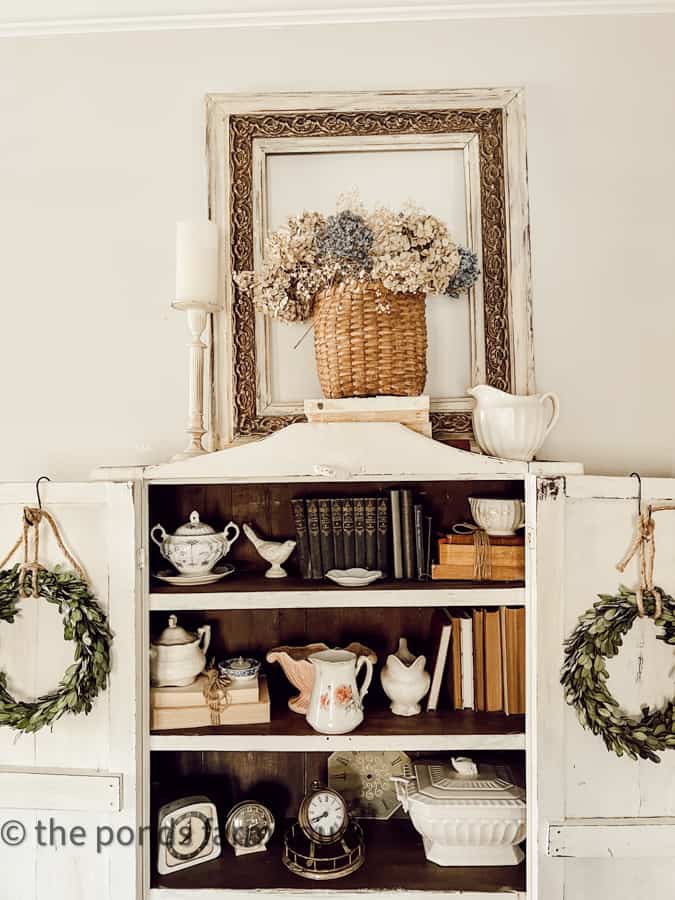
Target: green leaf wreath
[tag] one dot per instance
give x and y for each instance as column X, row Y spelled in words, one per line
column 598, row 636
column 85, row 623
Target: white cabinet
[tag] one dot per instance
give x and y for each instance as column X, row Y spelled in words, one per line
column 605, row 823
column 83, row 772
column 598, row 825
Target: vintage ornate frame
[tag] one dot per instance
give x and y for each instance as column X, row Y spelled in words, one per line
column 491, row 121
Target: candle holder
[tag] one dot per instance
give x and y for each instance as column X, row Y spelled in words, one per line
column 198, row 313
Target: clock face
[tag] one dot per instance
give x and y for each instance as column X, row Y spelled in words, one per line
column 364, row 780
column 325, row 815
column 249, row 825
column 190, row 834
column 187, row 834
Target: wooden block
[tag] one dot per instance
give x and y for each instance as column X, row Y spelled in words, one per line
column 200, row 716
column 193, row 695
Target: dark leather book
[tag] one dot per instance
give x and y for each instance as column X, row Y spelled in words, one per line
column 370, row 504
column 302, row 538
column 326, row 532
column 338, row 533
column 359, row 532
column 408, row 534
column 314, row 533
column 348, row 532
column 396, row 535
column 419, row 542
column 383, row 532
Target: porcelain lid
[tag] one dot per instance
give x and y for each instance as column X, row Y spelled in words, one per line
column 174, row 635
column 194, row 527
column 443, row 782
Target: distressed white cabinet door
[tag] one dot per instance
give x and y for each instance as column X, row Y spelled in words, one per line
column 605, row 825
column 81, row 774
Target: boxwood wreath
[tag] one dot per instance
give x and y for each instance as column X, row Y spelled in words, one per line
column 84, row 623
column 597, row 637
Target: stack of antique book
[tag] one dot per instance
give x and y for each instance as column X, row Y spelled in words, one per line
column 478, row 659
column 192, row 706
column 388, row 532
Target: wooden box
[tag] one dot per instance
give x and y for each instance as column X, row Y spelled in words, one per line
column 199, row 716
column 457, row 559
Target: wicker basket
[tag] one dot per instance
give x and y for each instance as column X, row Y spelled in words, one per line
column 370, row 341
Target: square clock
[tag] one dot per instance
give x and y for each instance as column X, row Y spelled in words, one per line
column 187, row 834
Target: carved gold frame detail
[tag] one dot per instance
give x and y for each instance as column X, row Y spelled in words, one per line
column 235, row 124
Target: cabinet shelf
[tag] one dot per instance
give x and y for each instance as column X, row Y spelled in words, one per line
column 288, row 731
column 395, row 862
column 257, row 592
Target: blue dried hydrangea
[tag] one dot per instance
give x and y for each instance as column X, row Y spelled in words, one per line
column 347, row 238
column 466, row 275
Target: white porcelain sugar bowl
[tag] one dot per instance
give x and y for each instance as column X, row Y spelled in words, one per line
column 178, row 656
column 195, row 547
column 466, row 815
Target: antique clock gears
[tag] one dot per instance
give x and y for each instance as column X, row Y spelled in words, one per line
column 324, row 843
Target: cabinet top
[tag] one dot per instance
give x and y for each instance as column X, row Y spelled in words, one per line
column 339, row 452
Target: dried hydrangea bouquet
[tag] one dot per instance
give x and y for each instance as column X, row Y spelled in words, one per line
column 362, row 277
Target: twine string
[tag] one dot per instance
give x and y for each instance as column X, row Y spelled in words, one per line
column 644, row 546
column 216, row 693
column 30, row 532
column 482, row 560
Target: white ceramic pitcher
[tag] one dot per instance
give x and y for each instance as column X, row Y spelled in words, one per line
column 512, row 426
column 336, row 704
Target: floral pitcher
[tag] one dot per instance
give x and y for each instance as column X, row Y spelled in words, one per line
column 336, row 704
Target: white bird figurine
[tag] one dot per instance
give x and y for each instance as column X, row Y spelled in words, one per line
column 274, row 552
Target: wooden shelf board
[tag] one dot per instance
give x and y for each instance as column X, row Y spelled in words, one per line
column 395, row 862
column 288, row 731
column 254, row 591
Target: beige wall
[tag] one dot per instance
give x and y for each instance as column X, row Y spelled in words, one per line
column 101, row 149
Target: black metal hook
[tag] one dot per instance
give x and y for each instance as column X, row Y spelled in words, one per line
column 637, row 475
column 37, row 488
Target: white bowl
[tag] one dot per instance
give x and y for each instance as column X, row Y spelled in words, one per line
column 498, row 518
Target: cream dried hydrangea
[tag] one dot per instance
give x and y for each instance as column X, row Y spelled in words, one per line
column 408, row 251
column 291, row 272
column 412, row 251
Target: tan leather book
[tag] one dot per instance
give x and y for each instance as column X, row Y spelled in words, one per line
column 514, row 618
column 492, row 649
column 455, row 667
column 479, row 659
column 193, row 694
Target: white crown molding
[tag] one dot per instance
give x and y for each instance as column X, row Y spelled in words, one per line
column 347, row 13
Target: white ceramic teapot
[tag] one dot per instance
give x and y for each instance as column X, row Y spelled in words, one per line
column 195, row 547
column 405, row 680
column 178, row 656
column 336, row 704
column 511, row 426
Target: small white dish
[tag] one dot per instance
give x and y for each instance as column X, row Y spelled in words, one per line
column 193, row 580
column 353, row 577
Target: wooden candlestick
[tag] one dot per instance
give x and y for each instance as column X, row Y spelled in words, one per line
column 197, row 320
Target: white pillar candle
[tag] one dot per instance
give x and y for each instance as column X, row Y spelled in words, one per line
column 197, row 261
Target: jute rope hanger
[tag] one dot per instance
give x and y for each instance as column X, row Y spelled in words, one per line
column 644, row 545
column 31, row 521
